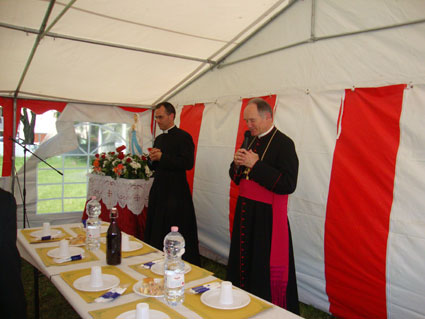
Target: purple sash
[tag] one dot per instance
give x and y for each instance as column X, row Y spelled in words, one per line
column 279, row 255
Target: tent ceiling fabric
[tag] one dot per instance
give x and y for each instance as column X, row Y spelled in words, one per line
column 106, row 51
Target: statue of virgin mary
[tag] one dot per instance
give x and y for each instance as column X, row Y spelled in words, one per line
column 135, row 136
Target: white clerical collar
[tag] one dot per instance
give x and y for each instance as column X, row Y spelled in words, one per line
column 265, row 133
column 166, row 131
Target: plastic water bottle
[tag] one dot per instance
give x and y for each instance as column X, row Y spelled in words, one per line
column 93, row 224
column 174, row 267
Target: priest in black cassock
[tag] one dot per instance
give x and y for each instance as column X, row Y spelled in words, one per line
column 261, row 258
column 170, row 200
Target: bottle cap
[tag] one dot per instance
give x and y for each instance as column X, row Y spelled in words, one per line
column 174, row 228
column 114, row 212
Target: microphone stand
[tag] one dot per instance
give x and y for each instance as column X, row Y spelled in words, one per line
column 24, row 192
column 24, row 209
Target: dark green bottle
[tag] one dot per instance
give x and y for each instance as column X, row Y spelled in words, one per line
column 113, row 240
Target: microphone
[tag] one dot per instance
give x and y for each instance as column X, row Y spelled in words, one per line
column 245, row 143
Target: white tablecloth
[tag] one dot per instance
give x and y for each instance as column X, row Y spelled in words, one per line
column 29, row 253
column 131, row 192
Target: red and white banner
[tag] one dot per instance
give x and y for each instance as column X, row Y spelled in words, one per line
column 357, row 215
column 359, row 202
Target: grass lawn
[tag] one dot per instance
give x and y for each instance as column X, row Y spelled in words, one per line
column 50, row 190
column 53, row 305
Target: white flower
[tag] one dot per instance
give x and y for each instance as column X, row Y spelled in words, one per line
column 148, row 172
column 135, row 165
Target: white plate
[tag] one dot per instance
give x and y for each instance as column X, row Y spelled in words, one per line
column 158, row 268
column 77, row 245
column 133, row 245
column 136, row 289
column 54, row 253
column 39, row 233
column 211, row 298
column 153, row 314
column 83, row 283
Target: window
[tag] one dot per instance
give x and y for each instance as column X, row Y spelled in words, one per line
column 68, row 193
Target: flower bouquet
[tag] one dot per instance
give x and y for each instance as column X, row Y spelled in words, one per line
column 117, row 164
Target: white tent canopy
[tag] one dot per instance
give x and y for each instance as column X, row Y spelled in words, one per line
column 119, row 52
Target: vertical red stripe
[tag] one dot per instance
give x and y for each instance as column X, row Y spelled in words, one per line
column 190, row 121
column 153, row 123
column 234, row 190
column 359, row 202
column 7, row 105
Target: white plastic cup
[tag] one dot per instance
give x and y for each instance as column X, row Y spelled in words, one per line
column 64, row 248
column 46, row 229
column 142, row 311
column 226, row 293
column 96, row 277
column 125, row 242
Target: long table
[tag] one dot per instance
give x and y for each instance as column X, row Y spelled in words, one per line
column 31, row 253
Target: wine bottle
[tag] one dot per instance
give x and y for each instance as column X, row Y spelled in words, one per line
column 113, row 240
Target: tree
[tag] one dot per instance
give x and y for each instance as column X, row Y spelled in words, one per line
column 28, row 126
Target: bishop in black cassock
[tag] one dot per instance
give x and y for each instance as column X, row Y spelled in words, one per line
column 170, row 199
column 261, row 227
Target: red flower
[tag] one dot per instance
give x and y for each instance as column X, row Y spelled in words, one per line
column 128, row 160
column 103, row 156
column 118, row 169
column 121, row 155
column 144, row 158
column 121, row 148
column 97, row 155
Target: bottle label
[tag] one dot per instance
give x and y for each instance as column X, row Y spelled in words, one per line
column 93, row 232
column 175, row 280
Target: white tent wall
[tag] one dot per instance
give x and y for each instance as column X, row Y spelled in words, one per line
column 64, row 141
column 310, row 120
column 309, row 80
column 211, row 185
column 406, row 242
